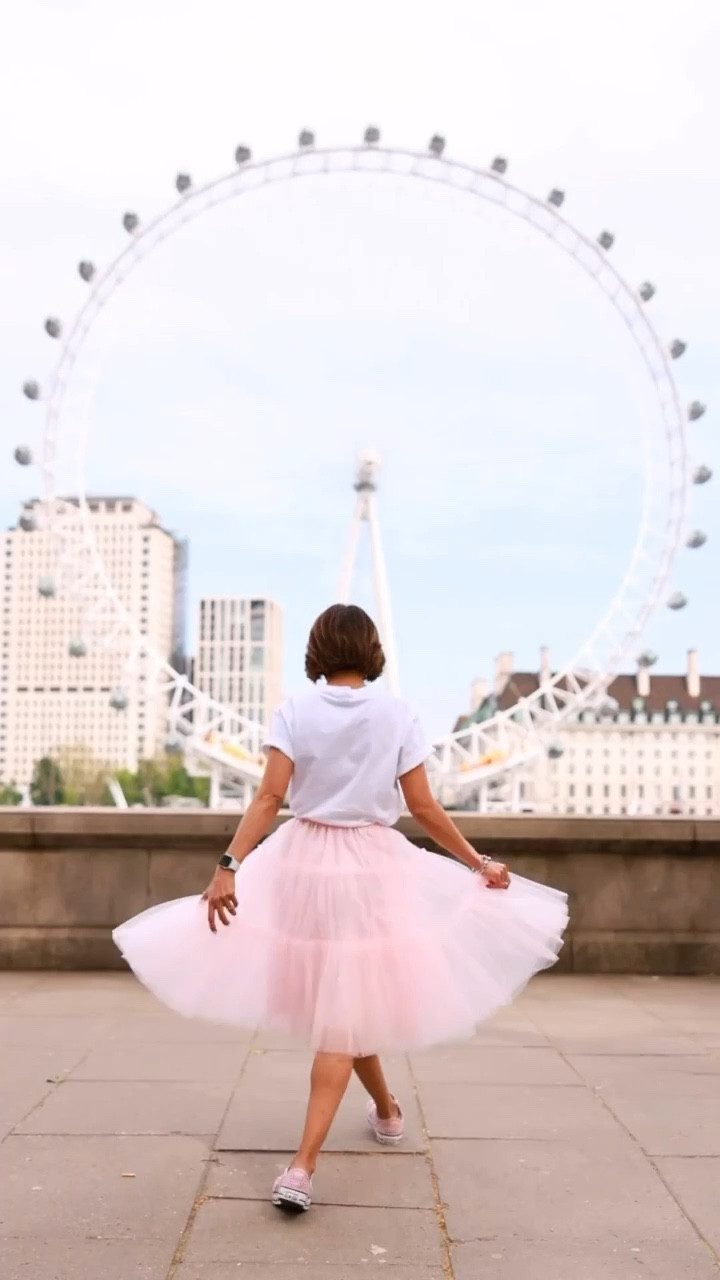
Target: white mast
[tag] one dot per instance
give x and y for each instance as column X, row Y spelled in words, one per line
column 365, row 512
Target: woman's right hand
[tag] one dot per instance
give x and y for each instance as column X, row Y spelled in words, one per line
column 496, row 875
column 220, row 897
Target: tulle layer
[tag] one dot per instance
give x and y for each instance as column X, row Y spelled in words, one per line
column 351, row 939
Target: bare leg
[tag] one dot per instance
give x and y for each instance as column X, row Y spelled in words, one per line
column 328, row 1081
column 370, row 1074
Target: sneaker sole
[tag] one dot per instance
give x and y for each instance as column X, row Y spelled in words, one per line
column 386, row 1139
column 291, row 1201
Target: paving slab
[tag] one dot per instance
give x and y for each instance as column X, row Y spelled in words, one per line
column 48, row 1258
column 627, row 1045
column 343, row 1179
column 211, row 1063
column 240, row 1231
column 19, row 1101
column 696, row 1183
column 261, row 1118
column 90, row 1107
column 36, row 1064
column 609, row 1260
column 161, row 1026
column 199, row 1270
column 478, row 1065
column 545, row 1112
column 80, row 1188
column 667, row 1124
column 506, row 1034
column 691, row 1076
column 77, row 1034
column 540, row 1191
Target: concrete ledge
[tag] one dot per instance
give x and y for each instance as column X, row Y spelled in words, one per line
column 643, row 892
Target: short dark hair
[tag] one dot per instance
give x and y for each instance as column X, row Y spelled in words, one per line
column 344, row 638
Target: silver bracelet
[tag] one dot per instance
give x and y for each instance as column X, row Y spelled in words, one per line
column 485, row 863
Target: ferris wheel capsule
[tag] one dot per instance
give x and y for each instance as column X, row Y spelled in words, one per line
column 677, row 348
column 647, row 291
column 23, row 455
column 647, row 658
column 696, row 539
column 183, row 183
column 46, row 586
column 119, row 699
column 702, row 474
column 77, row 647
column 131, row 222
column 53, row 327
column 242, row 155
column 306, row 139
column 556, row 197
column 86, row 271
column 31, row 390
column 28, row 522
column 371, row 136
column 696, row 410
column 677, row 600
column 499, row 165
column 606, row 239
column 436, row 146
column 555, row 750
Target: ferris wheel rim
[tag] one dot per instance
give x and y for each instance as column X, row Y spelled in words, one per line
column 569, row 681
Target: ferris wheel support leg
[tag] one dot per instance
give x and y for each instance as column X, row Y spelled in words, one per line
column 214, row 799
column 346, row 574
column 382, row 596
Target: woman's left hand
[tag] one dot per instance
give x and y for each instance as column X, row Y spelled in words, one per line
column 220, row 897
column 496, row 876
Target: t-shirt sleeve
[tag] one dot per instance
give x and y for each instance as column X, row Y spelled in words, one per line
column 415, row 748
column 280, row 732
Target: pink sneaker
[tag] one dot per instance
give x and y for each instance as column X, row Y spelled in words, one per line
column 387, row 1132
column 293, row 1191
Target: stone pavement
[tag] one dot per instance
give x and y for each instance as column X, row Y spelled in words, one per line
column 576, row 1138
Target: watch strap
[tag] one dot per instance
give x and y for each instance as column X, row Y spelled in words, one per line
column 228, row 863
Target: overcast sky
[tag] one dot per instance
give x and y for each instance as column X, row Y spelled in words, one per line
column 238, row 373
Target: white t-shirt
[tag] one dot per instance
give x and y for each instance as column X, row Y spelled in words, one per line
column 349, row 747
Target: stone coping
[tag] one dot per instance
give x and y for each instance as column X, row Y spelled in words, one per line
column 65, row 828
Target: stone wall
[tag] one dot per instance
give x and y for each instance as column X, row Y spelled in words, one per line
column 644, row 893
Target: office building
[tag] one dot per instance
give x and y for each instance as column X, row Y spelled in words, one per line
column 238, row 659
column 55, row 688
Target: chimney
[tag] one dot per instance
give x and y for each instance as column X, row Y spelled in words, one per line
column 478, row 694
column 545, row 671
column 693, row 674
column 643, row 682
column 503, row 671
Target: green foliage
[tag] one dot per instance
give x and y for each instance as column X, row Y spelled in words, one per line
column 46, row 786
column 77, row 777
column 9, row 795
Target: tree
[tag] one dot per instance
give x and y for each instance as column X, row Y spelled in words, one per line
column 46, row 786
column 84, row 776
column 9, row 795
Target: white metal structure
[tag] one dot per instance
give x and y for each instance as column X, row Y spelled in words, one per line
column 366, row 513
column 509, row 739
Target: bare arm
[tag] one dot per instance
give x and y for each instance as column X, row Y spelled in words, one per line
column 254, row 824
column 439, row 825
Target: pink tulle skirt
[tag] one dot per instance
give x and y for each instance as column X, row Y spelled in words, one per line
column 351, row 939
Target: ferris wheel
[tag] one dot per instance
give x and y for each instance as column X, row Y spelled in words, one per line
column 230, row 745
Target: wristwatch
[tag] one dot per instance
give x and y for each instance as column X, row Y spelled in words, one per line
column 228, row 863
